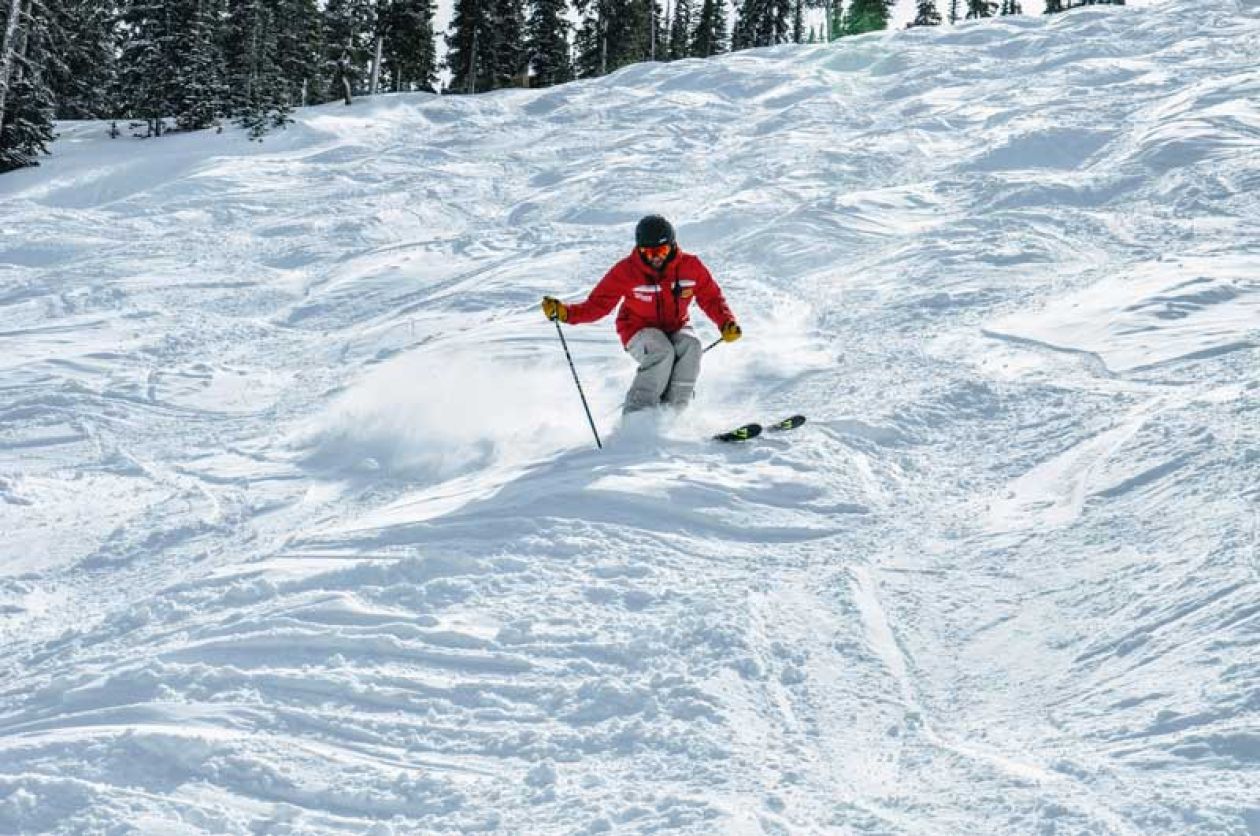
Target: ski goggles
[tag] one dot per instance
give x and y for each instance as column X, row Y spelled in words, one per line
column 656, row 252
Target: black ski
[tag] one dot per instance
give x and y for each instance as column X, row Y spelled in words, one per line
column 787, row 424
column 749, row 431
column 740, row 433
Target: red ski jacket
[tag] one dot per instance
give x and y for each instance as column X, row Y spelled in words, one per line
column 651, row 299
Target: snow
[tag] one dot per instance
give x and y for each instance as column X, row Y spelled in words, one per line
column 304, row 531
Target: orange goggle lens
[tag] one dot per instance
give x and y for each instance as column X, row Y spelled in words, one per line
column 655, row 252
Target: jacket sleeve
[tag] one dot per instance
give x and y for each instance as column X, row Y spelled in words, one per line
column 709, row 297
column 601, row 300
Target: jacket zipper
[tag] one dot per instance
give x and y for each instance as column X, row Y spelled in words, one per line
column 660, row 312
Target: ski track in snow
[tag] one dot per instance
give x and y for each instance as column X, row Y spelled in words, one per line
column 303, row 530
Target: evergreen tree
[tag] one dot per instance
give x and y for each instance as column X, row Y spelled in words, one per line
column 198, row 87
column 762, row 23
column 798, row 22
column 1053, row 7
column 409, row 53
column 865, row 16
column 658, row 29
column 1011, row 7
column 926, row 14
column 26, row 106
column 486, row 46
column 508, row 56
column 710, row 37
column 300, row 51
column 781, row 21
column 468, row 44
column 171, row 64
column 645, row 31
column 953, row 12
column 615, row 34
column 148, row 52
column 348, row 28
column 82, row 68
column 591, row 42
column 27, row 129
column 260, row 94
column 680, row 27
column 380, row 25
column 743, row 36
column 12, row 27
column 980, row 8
column 547, row 42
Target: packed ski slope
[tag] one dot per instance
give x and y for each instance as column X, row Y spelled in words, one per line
column 302, row 529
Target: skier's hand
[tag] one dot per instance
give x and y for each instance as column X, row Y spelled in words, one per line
column 731, row 332
column 553, row 309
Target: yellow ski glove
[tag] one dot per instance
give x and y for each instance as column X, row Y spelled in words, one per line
column 553, row 309
column 731, row 332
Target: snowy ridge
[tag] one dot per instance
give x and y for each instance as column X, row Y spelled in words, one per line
column 303, row 530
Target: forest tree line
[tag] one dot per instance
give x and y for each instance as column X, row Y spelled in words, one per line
column 150, row 66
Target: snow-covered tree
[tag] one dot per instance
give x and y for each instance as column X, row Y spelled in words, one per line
column 762, row 23
column 710, row 36
column 300, row 51
column 547, row 41
column 82, row 68
column 614, row 34
column 680, row 27
column 199, row 89
column 149, row 51
column 508, row 54
column 980, row 8
column 468, row 43
column 486, row 44
column 348, row 28
column 261, row 96
column 409, row 54
column 11, row 15
column 926, row 14
column 26, row 106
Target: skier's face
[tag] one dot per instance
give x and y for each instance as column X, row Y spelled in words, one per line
column 656, row 255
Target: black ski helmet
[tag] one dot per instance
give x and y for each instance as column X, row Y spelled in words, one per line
column 653, row 231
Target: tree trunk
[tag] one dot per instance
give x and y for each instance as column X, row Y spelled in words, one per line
column 376, row 65
column 652, row 29
column 603, row 44
column 8, row 47
column 669, row 32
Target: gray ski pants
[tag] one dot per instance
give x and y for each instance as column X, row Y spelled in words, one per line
column 669, row 365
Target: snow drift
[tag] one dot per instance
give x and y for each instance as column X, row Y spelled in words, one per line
column 302, row 530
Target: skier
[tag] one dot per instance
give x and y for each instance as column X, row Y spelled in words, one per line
column 655, row 285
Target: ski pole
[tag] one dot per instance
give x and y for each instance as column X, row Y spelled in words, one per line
column 581, row 394
column 711, row 345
